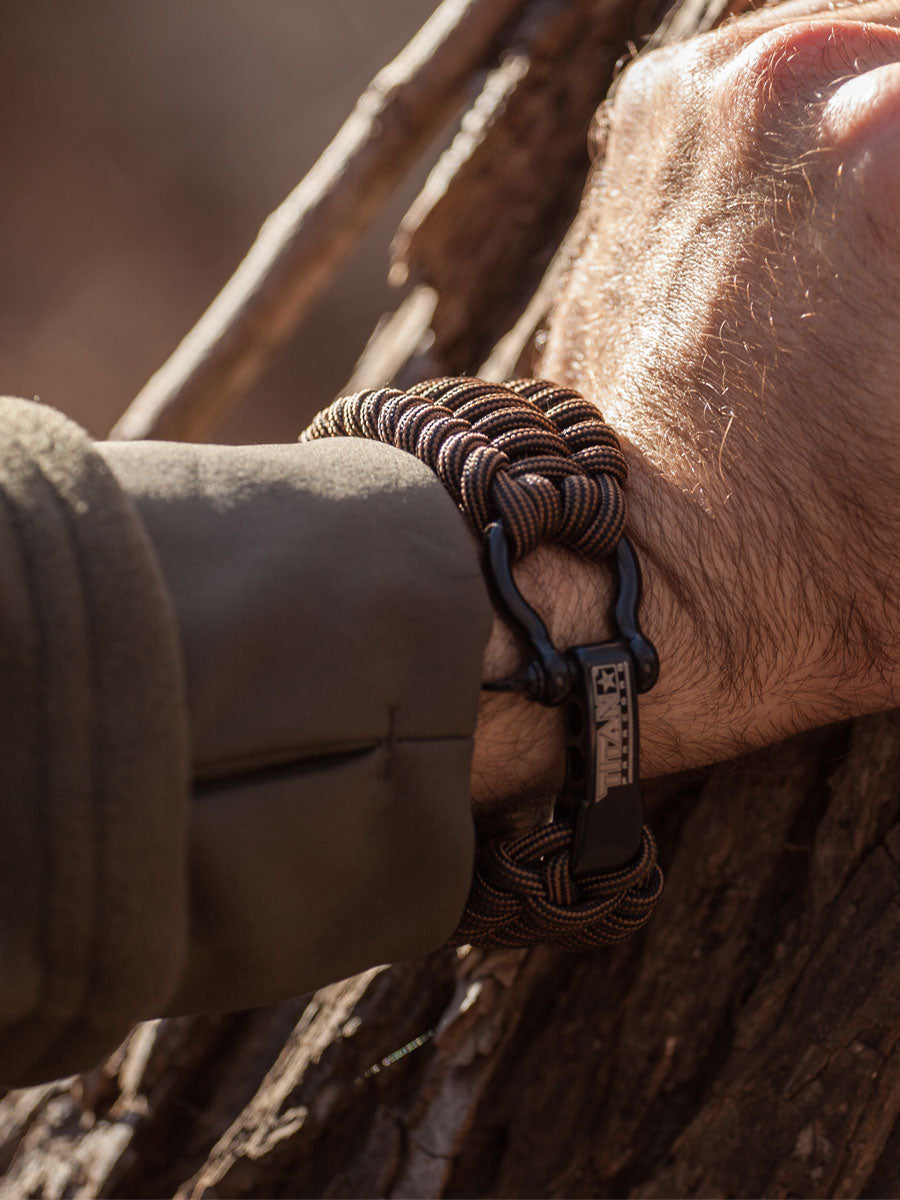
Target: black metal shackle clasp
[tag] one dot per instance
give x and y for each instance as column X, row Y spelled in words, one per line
column 599, row 685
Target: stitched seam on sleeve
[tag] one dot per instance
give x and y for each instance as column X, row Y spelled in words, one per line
column 300, row 756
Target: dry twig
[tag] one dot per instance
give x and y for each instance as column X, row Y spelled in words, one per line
column 306, row 238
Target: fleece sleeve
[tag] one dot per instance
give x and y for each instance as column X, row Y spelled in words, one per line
column 94, row 757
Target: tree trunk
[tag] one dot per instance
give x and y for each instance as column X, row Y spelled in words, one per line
column 746, row 1044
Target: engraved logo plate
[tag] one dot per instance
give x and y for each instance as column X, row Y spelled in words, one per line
column 611, row 693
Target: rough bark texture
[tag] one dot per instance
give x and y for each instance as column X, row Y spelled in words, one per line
column 745, row 1045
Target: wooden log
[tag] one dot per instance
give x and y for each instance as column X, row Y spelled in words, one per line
column 497, row 203
column 747, row 1046
column 508, row 187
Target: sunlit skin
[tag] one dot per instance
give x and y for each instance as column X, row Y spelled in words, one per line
column 733, row 308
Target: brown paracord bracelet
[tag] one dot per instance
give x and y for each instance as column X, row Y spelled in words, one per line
column 530, row 463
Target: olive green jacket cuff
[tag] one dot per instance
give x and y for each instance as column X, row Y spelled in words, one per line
column 239, row 692
column 333, row 617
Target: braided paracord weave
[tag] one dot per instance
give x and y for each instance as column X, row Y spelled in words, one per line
column 523, row 892
column 541, row 460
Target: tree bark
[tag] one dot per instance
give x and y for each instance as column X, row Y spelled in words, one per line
column 745, row 1045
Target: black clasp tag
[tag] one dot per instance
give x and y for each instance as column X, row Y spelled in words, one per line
column 599, row 686
column 601, row 793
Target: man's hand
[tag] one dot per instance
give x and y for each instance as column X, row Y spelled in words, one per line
column 734, row 311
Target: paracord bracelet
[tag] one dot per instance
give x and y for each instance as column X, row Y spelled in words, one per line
column 530, row 463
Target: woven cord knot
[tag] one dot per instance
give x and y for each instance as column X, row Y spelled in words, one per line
column 541, row 460
column 524, row 892
column 536, row 457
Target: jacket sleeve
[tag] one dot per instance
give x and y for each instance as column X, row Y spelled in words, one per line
column 313, row 678
column 333, row 617
column 93, row 757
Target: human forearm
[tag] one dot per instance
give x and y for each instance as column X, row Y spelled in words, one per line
column 737, row 670
column 733, row 312
column 691, row 717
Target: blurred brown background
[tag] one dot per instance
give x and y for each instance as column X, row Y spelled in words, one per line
column 143, row 145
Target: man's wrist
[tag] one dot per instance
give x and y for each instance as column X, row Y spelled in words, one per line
column 686, row 720
column 518, row 761
column 726, row 684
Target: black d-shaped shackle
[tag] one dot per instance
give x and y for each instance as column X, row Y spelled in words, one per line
column 599, row 685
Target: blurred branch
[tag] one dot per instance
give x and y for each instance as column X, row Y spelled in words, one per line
column 303, row 242
column 496, row 204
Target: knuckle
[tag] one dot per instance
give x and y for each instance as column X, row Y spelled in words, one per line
column 638, row 80
column 654, row 94
column 674, row 73
column 791, row 67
